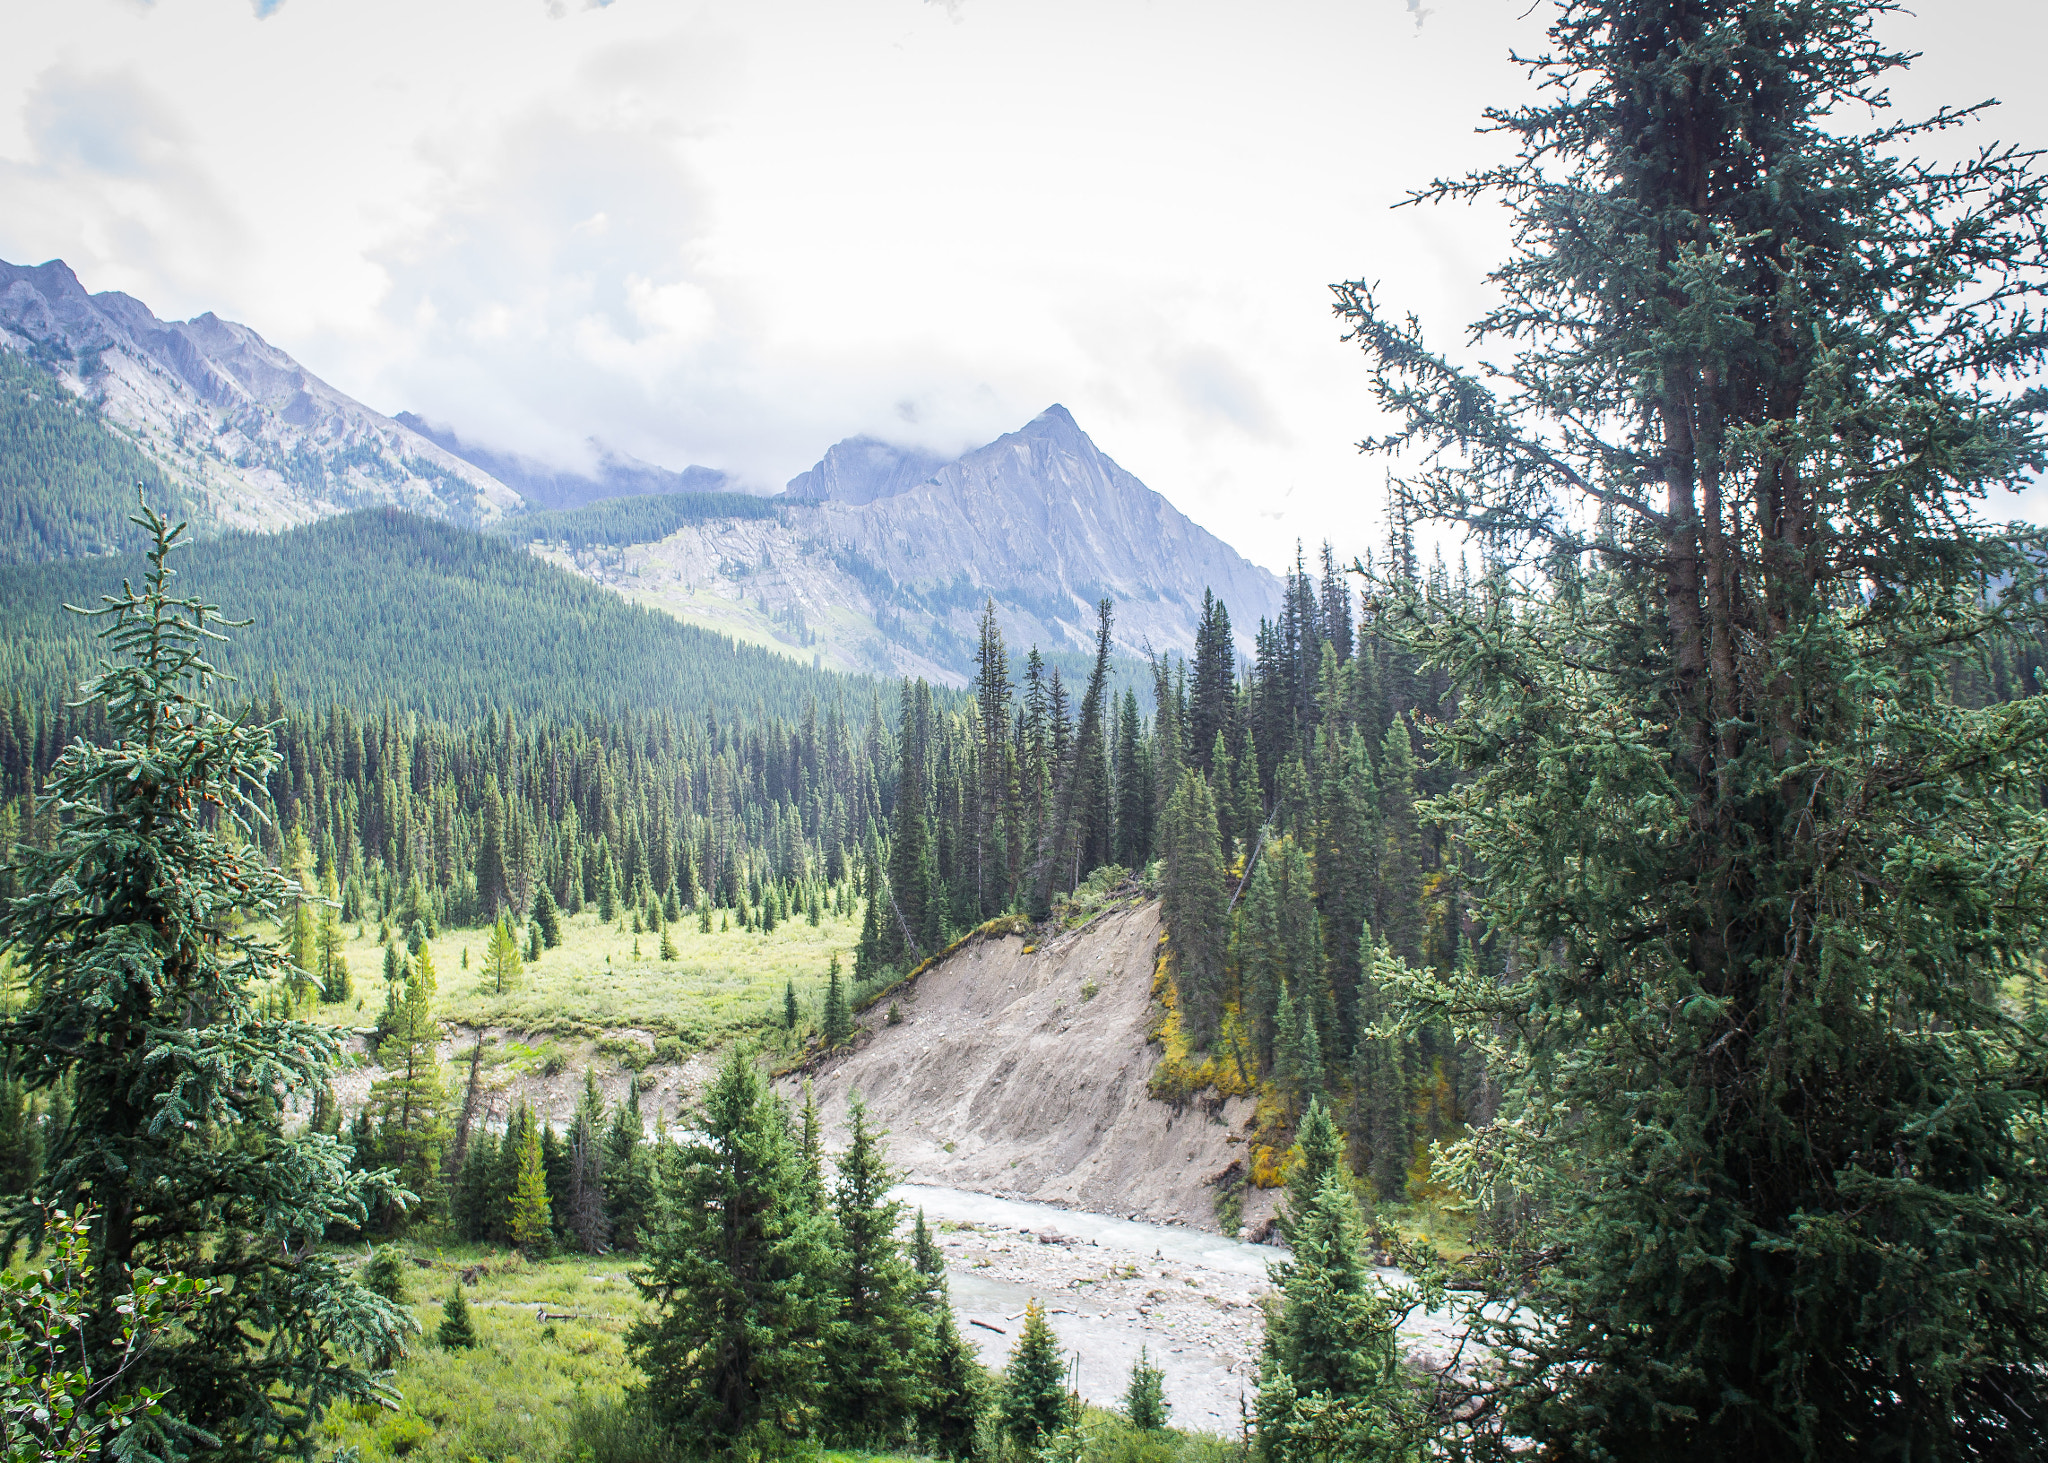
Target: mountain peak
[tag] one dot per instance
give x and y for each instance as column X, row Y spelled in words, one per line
column 1056, row 423
column 864, row 469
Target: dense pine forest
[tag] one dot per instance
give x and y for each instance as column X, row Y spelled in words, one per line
column 383, row 608
column 1273, row 803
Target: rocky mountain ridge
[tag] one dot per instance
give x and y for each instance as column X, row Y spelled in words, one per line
column 256, row 440
column 878, row 559
column 1040, row 520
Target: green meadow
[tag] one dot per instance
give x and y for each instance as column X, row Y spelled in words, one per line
column 604, row 978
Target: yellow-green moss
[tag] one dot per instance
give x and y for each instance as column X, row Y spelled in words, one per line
column 1226, row 1068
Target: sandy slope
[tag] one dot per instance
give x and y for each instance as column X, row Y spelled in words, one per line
column 1004, row 1078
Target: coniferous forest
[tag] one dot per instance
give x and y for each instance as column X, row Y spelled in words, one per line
column 1625, row 933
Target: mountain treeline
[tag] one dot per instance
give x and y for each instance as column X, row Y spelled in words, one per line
column 67, row 480
column 382, row 607
column 647, row 519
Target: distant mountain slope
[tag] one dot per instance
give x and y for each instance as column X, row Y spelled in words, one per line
column 252, row 438
column 1042, row 520
column 67, row 483
column 547, row 486
column 383, row 607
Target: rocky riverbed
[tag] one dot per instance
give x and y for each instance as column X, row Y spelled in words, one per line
column 1192, row 1300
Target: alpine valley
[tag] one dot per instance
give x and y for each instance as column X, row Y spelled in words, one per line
column 879, row 559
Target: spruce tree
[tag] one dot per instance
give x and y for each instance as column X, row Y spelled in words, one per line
column 1133, row 788
column 627, row 1176
column 456, row 1332
column 335, row 986
column 1213, row 692
column 873, row 1348
column 838, row 1013
column 1033, row 1402
column 956, row 1393
column 1194, row 905
column 410, row 1101
column 1330, row 1380
column 739, row 1275
column 1145, row 1404
column 582, row 1215
column 1318, row 1153
column 532, row 1215
column 1379, row 1083
column 868, row 954
column 1762, row 875
column 811, row 1147
column 136, row 930
column 547, row 917
column 789, row 1007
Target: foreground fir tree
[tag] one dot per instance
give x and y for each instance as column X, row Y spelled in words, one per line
column 1032, row 1400
column 145, row 971
column 1770, row 1166
column 1330, row 1380
column 880, row 1334
column 739, row 1270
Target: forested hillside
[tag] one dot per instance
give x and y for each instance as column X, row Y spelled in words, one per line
column 383, row 608
column 67, row 482
column 644, row 520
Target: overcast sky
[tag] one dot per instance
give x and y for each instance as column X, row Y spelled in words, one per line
column 731, row 234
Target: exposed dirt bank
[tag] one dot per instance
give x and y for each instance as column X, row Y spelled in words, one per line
column 1023, row 1075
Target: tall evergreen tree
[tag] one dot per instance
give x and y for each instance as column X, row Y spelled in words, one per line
column 532, row 1222
column 1762, row 875
column 906, row 897
column 992, row 724
column 1214, row 692
column 739, row 1274
column 1033, row 1403
column 1330, row 1381
column 838, row 1011
column 1195, row 906
column 879, row 1335
column 627, row 1176
column 142, row 977
column 1133, row 788
column 409, row 1102
column 1083, row 793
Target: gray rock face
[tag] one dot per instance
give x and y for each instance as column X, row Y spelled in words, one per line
column 256, row 439
column 1041, row 520
column 863, row 469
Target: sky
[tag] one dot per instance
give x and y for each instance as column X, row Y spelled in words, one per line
column 732, row 234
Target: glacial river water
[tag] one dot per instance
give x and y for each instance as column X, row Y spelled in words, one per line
column 1191, row 1303
column 1205, row 1338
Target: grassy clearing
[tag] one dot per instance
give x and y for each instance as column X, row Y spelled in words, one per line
column 512, row 1398
column 719, row 984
